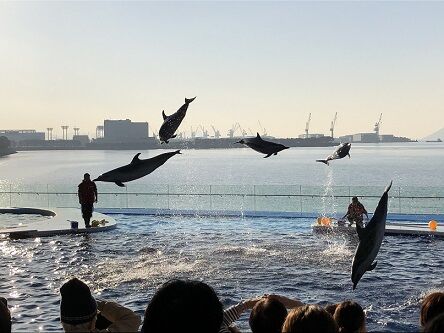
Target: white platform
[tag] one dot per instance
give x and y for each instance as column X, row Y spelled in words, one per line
column 399, row 228
column 59, row 223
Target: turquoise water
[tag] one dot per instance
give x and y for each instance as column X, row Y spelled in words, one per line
column 239, row 257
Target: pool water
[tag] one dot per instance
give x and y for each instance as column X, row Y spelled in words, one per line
column 239, row 257
column 18, row 220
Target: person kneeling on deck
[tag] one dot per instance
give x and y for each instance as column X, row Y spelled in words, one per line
column 80, row 312
column 355, row 212
column 87, row 197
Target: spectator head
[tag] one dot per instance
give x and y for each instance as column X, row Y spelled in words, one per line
column 78, row 309
column 183, row 306
column 309, row 319
column 267, row 316
column 5, row 316
column 86, row 176
column 432, row 305
column 355, row 200
column 331, row 308
column 350, row 317
column 436, row 325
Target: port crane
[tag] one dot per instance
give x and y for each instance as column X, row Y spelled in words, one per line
column 332, row 126
column 216, row 132
column 263, row 130
column 234, row 128
column 378, row 125
column 307, row 125
column 204, row 131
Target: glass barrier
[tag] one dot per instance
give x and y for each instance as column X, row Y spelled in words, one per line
column 287, row 198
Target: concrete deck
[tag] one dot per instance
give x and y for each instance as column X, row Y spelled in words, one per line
column 58, row 224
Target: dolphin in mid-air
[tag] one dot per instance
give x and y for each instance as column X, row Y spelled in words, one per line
column 136, row 169
column 262, row 146
column 341, row 151
column 172, row 122
column 370, row 239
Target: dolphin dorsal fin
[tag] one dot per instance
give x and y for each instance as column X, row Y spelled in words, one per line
column 136, row 159
column 164, row 115
column 257, row 135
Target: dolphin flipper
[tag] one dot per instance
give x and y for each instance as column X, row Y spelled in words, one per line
column 372, row 266
column 173, row 136
column 323, row 161
column 120, row 184
column 268, row 155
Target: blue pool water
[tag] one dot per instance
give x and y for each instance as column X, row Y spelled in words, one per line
column 239, row 257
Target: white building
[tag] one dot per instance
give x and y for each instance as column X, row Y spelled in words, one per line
column 124, row 131
column 17, row 136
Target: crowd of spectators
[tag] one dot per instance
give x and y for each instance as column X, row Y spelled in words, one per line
column 188, row 306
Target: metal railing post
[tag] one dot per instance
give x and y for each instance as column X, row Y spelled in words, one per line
column 211, row 199
column 254, row 197
column 399, row 198
column 10, row 195
column 126, row 195
column 300, row 196
column 47, row 193
column 168, row 196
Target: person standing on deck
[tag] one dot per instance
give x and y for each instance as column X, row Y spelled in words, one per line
column 355, row 212
column 87, row 197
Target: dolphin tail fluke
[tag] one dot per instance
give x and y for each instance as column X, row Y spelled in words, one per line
column 189, row 100
column 177, row 152
column 348, row 155
column 323, row 161
column 120, row 184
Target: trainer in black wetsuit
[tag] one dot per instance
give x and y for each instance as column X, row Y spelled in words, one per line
column 87, row 196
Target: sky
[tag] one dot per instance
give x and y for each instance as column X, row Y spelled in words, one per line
column 78, row 63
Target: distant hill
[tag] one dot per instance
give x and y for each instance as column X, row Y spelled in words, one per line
column 437, row 135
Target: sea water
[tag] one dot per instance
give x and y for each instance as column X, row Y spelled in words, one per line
column 240, row 257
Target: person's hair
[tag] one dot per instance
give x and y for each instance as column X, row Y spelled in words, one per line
column 86, row 176
column 183, row 306
column 355, row 199
column 309, row 319
column 267, row 316
column 432, row 305
column 350, row 317
column 331, row 308
column 5, row 316
column 436, row 325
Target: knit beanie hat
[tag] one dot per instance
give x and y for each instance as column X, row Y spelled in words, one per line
column 77, row 305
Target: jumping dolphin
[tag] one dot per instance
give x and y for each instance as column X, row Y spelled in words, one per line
column 172, row 122
column 341, row 151
column 370, row 239
column 136, row 169
column 263, row 146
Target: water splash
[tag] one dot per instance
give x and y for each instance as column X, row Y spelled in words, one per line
column 328, row 198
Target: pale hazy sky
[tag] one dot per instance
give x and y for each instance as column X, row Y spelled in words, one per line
column 77, row 63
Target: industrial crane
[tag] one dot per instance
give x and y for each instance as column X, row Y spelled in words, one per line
column 264, row 131
column 233, row 130
column 216, row 132
column 332, row 126
column 378, row 125
column 307, row 125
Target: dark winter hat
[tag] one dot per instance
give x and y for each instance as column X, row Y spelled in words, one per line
column 77, row 305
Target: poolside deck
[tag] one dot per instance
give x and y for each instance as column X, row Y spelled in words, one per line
column 396, row 228
column 59, row 223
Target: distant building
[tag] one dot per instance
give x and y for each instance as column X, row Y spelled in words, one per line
column 119, row 131
column 311, row 136
column 18, row 136
column 83, row 139
column 366, row 137
column 346, row 138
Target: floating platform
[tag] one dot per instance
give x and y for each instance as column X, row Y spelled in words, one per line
column 56, row 222
column 397, row 228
